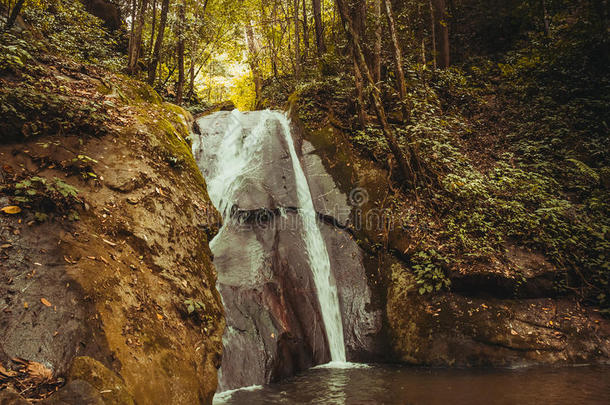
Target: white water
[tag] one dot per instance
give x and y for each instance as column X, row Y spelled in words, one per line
column 318, row 255
column 239, row 153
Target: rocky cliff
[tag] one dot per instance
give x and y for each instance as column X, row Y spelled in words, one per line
column 106, row 280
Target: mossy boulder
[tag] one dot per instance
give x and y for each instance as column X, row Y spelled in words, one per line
column 119, row 264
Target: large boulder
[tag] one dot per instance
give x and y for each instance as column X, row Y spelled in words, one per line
column 97, row 287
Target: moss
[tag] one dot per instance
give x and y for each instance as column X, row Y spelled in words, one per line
column 101, row 378
column 137, row 92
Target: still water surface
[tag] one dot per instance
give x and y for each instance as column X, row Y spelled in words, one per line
column 405, row 386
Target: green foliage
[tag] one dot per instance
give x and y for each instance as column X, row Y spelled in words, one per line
column 46, row 196
column 194, row 306
column 428, row 270
column 69, row 30
column 35, row 102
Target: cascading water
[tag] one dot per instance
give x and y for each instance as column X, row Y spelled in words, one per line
column 318, row 255
column 294, row 288
column 240, row 153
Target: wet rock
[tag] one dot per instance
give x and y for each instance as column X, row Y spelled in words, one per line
column 275, row 328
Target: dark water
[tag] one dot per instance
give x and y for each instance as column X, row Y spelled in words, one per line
column 396, row 385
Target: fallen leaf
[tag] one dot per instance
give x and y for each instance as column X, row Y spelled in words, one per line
column 25, row 305
column 11, row 209
column 159, row 317
column 7, row 168
column 45, row 302
column 6, row 246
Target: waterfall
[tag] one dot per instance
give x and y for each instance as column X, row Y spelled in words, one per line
column 318, row 255
column 231, row 154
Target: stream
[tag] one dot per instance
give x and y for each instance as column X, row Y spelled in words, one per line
column 385, row 384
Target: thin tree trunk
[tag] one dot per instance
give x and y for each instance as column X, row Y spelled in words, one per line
column 134, row 6
column 297, row 46
column 317, row 16
column 305, row 30
column 377, row 47
column 404, row 164
column 397, row 53
column 256, row 74
column 152, row 28
column 442, row 19
column 152, row 68
column 357, row 17
column 137, row 38
column 13, row 15
column 433, row 29
column 181, row 27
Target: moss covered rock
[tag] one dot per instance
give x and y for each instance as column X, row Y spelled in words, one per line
column 119, row 259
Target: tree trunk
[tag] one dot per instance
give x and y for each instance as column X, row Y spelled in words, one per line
column 442, row 19
column 256, row 73
column 317, row 16
column 404, row 164
column 14, row 13
column 136, row 49
column 356, row 12
column 377, row 47
column 181, row 27
column 305, row 30
column 433, row 32
column 134, row 7
column 397, row 53
column 297, row 46
column 152, row 28
column 152, row 68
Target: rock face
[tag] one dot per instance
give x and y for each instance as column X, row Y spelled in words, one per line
column 104, row 301
column 274, row 325
column 492, row 316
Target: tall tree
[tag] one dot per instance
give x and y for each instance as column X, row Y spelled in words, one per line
column 152, row 28
column 377, row 46
column 181, row 34
column 305, row 29
column 403, row 159
column 442, row 24
column 297, row 40
column 317, row 16
column 135, row 48
column 433, row 32
column 152, row 67
column 397, row 54
column 356, row 12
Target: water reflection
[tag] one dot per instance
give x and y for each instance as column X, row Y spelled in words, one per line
column 406, row 386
